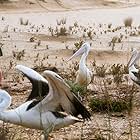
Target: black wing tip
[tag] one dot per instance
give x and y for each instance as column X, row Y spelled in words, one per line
column 31, row 105
column 59, row 114
column 81, row 110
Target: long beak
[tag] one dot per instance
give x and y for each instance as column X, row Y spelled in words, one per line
column 77, row 53
column 135, row 56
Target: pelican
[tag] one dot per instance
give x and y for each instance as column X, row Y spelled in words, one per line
column 134, row 73
column 59, row 108
column 84, row 75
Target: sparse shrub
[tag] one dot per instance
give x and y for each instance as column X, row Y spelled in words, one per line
column 58, row 22
column 71, row 72
column 105, row 105
column 70, row 28
column 112, row 42
column 89, row 34
column 61, row 32
column 117, row 71
column 19, row 55
column 101, row 70
column 118, row 78
column 42, row 68
column 39, row 43
column 47, row 47
column 2, row 18
column 99, row 137
column 51, row 30
column 32, row 39
column 61, row 21
column 109, row 25
column 75, row 24
column 24, row 22
column 116, row 39
column 128, row 22
column 39, row 66
column 120, row 101
column 93, row 63
column 77, row 89
column 78, row 45
column 125, row 69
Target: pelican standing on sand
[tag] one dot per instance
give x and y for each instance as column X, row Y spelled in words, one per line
column 45, row 113
column 84, row 75
column 134, row 73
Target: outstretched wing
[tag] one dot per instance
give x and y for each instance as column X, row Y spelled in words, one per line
column 40, row 86
column 61, row 97
column 135, row 56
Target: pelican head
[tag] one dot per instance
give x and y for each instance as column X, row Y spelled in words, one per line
column 85, row 48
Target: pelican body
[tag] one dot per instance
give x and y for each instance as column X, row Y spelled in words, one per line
column 58, row 108
column 34, row 118
column 84, row 75
column 134, row 73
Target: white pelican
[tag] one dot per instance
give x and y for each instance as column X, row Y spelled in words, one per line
column 84, row 75
column 134, row 73
column 44, row 113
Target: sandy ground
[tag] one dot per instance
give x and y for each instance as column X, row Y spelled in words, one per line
column 89, row 15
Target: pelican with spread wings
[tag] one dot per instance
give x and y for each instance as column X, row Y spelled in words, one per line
column 50, row 106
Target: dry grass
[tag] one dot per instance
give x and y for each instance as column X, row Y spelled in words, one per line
column 101, row 70
column 120, row 101
column 128, row 22
column 108, row 94
column 19, row 55
column 24, row 22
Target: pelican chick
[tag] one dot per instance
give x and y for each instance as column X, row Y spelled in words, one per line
column 59, row 108
column 84, row 75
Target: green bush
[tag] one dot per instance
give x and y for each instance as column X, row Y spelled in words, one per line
column 77, row 89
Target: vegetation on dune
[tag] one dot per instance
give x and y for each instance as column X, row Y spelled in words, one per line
column 112, row 91
column 128, row 22
column 120, row 102
column 101, row 70
column 77, row 89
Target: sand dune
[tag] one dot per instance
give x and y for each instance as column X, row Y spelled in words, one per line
column 64, row 5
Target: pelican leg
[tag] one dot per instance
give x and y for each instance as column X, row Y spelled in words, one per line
column 46, row 136
column 47, row 131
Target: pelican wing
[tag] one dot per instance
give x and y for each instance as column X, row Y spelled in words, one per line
column 40, row 86
column 60, row 96
column 137, row 74
column 135, row 56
